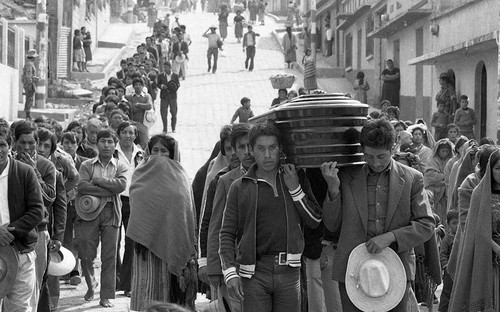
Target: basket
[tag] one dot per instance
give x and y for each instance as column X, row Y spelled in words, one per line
column 282, row 82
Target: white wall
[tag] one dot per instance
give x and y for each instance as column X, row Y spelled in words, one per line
column 9, row 88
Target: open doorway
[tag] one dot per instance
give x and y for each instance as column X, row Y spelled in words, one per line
column 480, row 97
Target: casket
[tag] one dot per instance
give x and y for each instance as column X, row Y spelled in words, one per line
column 320, row 127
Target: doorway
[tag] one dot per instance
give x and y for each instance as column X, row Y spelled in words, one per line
column 481, row 97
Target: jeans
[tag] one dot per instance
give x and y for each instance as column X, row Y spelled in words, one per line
column 330, row 286
column 19, row 297
column 403, row 306
column 126, row 265
column 88, row 233
column 250, row 56
column 273, row 288
column 215, row 53
column 40, row 265
column 164, row 105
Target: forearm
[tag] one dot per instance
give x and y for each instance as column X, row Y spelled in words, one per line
column 87, row 188
column 114, row 185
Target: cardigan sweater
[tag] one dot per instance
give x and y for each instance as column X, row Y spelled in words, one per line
column 25, row 205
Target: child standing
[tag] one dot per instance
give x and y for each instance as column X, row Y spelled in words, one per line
column 465, row 118
column 444, row 256
column 440, row 120
column 244, row 112
column 361, row 86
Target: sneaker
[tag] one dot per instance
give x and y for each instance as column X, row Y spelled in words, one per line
column 75, row 280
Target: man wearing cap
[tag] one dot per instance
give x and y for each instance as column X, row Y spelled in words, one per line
column 103, row 178
column 168, row 82
column 380, row 204
column 214, row 44
column 21, row 210
column 249, row 44
column 263, row 215
column 29, row 80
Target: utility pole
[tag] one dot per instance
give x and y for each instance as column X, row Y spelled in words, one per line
column 42, row 44
column 312, row 10
column 498, row 82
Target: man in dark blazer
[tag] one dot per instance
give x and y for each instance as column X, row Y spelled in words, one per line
column 21, row 210
column 381, row 204
column 168, row 82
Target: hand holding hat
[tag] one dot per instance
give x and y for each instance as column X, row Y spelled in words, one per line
column 380, row 242
column 6, row 236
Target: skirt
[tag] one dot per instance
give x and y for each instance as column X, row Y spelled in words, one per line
column 78, row 55
column 88, row 54
column 223, row 29
column 238, row 30
column 151, row 281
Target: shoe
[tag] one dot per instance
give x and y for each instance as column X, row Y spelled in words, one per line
column 209, row 68
column 173, row 130
column 75, row 280
column 246, row 66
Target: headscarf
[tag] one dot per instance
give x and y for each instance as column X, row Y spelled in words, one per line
column 473, row 283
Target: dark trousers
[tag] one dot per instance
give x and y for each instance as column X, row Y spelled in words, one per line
column 250, row 56
column 329, row 47
column 165, row 104
column 125, row 267
column 89, row 233
column 444, row 301
column 70, row 240
column 272, row 288
column 29, row 91
column 215, row 53
column 348, row 306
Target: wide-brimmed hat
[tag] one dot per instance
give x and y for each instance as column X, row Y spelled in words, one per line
column 375, row 282
column 213, row 26
column 149, row 118
column 61, row 262
column 87, row 206
column 8, row 269
column 31, row 53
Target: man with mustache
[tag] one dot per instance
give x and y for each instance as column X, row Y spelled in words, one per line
column 241, row 146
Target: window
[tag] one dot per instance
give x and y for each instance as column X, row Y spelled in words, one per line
column 348, row 50
column 369, row 26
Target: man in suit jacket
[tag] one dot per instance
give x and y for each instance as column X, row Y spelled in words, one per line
column 21, row 210
column 168, row 82
column 381, row 204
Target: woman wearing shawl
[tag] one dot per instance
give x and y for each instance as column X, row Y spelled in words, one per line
column 459, row 150
column 434, row 176
column 419, row 134
column 309, row 65
column 476, row 283
column 162, row 226
column 289, row 46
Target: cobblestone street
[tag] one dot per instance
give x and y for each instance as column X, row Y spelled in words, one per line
column 206, row 101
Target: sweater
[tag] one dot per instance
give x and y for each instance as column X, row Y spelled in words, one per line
column 25, row 205
column 240, row 216
column 465, row 119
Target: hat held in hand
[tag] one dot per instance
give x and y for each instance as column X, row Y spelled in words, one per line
column 61, row 262
column 375, row 282
column 87, row 206
column 8, row 269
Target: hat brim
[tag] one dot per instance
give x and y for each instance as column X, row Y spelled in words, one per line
column 8, row 257
column 85, row 215
column 397, row 277
column 61, row 262
column 149, row 120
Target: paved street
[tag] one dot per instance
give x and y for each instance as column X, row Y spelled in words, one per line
column 206, row 102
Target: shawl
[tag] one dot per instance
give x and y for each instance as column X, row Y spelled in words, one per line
column 216, row 165
column 452, row 181
column 473, row 284
column 434, row 171
column 461, row 169
column 162, row 216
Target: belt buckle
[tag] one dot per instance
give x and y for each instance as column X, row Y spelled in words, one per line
column 282, row 258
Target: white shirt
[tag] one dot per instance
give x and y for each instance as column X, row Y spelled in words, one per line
column 130, row 165
column 129, row 90
column 329, row 34
column 4, row 195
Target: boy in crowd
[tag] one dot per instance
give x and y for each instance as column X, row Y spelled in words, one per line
column 465, row 118
column 444, row 256
column 452, row 132
column 244, row 112
column 439, row 121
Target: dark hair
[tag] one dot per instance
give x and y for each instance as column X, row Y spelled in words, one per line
column 374, row 115
column 302, row 91
column 112, row 80
column 165, row 140
column 486, row 140
column 400, row 123
column 284, row 90
column 124, row 125
column 107, row 133
column 361, row 76
column 123, row 61
column 137, row 80
column 107, row 89
column 112, row 98
column 378, row 133
column 483, row 155
column 115, row 112
column 24, row 127
column 451, row 126
column 244, row 100
column 58, row 129
column 44, row 135
column 167, row 63
column 268, row 128
column 5, row 132
column 165, row 307
column 225, row 134
column 70, row 136
column 394, row 110
column 494, row 158
column 464, row 97
column 239, row 130
column 76, row 124
column 460, row 141
column 451, row 215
